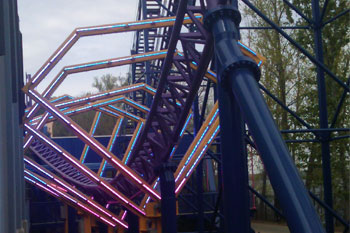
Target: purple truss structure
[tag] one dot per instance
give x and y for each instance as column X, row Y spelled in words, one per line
column 169, row 60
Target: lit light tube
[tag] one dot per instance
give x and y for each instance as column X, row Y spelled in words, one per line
column 48, row 190
column 70, row 189
column 87, row 209
column 37, row 167
column 102, row 210
column 80, row 166
column 44, row 139
column 133, row 143
column 105, row 220
column 117, row 194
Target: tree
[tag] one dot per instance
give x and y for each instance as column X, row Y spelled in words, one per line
column 104, row 83
column 109, row 82
column 292, row 78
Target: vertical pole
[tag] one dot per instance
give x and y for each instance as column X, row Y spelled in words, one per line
column 199, row 171
column 168, row 202
column 72, row 224
column 146, row 49
column 234, row 164
column 323, row 115
column 218, row 151
column 87, row 223
column 133, row 222
column 66, row 222
column 110, row 229
column 240, row 74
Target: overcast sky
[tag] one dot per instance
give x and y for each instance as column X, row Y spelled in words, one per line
column 45, row 24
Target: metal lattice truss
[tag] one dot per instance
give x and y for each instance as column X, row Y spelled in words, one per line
column 157, row 130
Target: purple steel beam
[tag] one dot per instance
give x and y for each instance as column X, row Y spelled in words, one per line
column 96, row 146
column 75, row 192
column 166, row 118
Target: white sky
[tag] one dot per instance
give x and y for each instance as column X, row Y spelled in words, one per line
column 45, row 24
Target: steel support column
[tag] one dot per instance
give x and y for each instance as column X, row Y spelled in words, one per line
column 146, row 49
column 323, row 115
column 168, row 201
column 133, row 222
column 234, row 164
column 240, row 74
column 72, row 220
column 199, row 170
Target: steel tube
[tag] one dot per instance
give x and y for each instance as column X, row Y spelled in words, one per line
column 323, row 116
column 234, row 165
column 168, row 201
column 289, row 188
column 239, row 75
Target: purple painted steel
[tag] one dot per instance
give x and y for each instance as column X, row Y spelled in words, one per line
column 171, row 105
column 173, row 100
column 60, row 165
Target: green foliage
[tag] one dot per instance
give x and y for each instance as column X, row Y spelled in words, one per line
column 291, row 77
column 109, row 82
column 85, row 120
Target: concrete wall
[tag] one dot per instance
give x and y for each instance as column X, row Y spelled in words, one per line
column 11, row 108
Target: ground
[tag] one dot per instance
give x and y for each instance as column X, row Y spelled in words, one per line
column 262, row 227
column 268, row 227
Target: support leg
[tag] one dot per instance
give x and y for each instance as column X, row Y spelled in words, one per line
column 87, row 224
column 234, row 165
column 168, row 202
column 240, row 74
column 323, row 115
column 133, row 222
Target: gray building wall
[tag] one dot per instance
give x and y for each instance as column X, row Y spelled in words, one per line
column 11, row 111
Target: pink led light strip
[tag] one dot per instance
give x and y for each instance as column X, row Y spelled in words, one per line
column 56, row 192
column 95, row 145
column 61, row 51
column 89, row 106
column 85, row 171
column 75, row 191
column 90, row 31
column 116, row 92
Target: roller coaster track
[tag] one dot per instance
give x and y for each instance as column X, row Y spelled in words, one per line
column 155, row 138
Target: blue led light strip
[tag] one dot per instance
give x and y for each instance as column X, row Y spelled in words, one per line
column 203, row 150
column 92, row 134
column 251, row 51
column 122, row 111
column 139, row 105
column 62, row 97
column 133, row 143
column 198, row 143
column 41, row 181
column 112, row 144
column 113, row 113
column 187, row 121
column 123, row 25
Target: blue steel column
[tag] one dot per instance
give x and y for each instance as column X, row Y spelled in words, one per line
column 133, row 222
column 234, row 164
column 199, row 171
column 323, row 115
column 72, row 222
column 240, row 73
column 146, row 49
column 233, row 161
column 218, row 151
column 168, row 202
